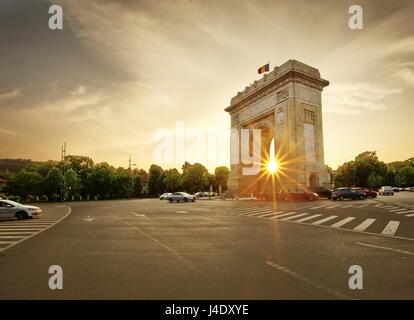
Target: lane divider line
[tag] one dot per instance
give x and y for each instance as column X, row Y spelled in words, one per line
column 308, row 281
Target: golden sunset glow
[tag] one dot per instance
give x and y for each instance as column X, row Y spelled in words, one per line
column 272, row 166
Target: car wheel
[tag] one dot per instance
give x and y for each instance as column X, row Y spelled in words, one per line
column 361, row 197
column 311, row 198
column 170, row 200
column 21, row 215
column 341, row 198
column 185, row 199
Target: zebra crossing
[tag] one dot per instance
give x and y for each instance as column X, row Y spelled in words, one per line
column 320, row 218
column 13, row 232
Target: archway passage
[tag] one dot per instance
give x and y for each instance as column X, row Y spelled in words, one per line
column 264, row 183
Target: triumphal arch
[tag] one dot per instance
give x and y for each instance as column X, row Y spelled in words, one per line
column 283, row 106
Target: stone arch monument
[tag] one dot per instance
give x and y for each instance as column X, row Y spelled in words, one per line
column 285, row 104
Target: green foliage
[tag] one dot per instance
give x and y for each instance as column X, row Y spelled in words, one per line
column 53, row 182
column 137, row 185
column 195, row 178
column 155, row 182
column 99, row 180
column 30, row 198
column 172, row 180
column 367, row 170
column 221, row 177
column 123, row 183
column 44, row 198
column 24, row 183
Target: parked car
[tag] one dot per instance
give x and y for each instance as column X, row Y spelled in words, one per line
column 164, row 196
column 181, row 196
column 368, row 193
column 347, row 193
column 322, row 192
column 395, row 189
column 298, row 195
column 205, row 194
column 11, row 209
column 411, row 189
column 386, row 191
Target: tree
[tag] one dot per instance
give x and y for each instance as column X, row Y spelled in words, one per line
column 195, row 178
column 155, row 183
column 72, row 182
column 137, row 185
column 172, row 180
column 123, row 183
column 99, row 180
column 221, row 177
column 25, row 183
column 53, row 182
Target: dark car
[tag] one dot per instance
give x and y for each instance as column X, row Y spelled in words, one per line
column 298, row 195
column 368, row 193
column 347, row 193
column 322, row 192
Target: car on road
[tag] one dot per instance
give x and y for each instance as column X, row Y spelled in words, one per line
column 347, row 193
column 11, row 209
column 181, row 196
column 303, row 194
column 164, row 196
column 368, row 193
column 386, row 191
column 322, row 192
column 410, row 189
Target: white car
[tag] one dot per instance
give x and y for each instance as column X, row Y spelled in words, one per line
column 164, row 196
column 11, row 209
column 181, row 196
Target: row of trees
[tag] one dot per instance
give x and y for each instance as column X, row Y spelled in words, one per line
column 194, row 177
column 367, row 170
column 78, row 177
column 75, row 177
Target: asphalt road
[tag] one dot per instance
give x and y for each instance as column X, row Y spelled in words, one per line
column 212, row 249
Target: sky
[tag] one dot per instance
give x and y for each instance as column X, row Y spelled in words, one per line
column 121, row 73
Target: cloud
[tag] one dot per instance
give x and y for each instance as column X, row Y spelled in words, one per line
column 10, row 95
column 406, row 73
column 356, row 99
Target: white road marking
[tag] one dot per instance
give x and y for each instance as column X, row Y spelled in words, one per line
column 395, row 210
column 342, row 222
column 308, row 218
column 7, row 233
column 363, row 206
column 317, row 207
column 5, row 242
column 378, row 205
column 347, row 206
column 324, row 220
column 410, row 215
column 331, row 207
column 296, row 216
column 270, row 214
column 11, row 237
column 283, row 215
column 88, row 219
column 308, row 281
column 138, row 215
column 22, row 229
column 260, row 213
column 391, row 228
column 256, row 211
column 36, row 232
column 404, row 211
column 386, row 248
column 178, row 211
column 364, row 225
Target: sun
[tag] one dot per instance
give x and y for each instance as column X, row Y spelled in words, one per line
column 272, row 166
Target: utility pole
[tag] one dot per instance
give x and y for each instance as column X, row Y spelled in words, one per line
column 130, row 164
